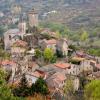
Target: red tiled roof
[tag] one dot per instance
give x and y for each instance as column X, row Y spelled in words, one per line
column 56, row 79
column 38, row 74
column 98, row 66
column 60, row 77
column 32, row 64
column 62, row 65
column 20, row 43
column 52, row 41
column 48, row 31
column 7, row 62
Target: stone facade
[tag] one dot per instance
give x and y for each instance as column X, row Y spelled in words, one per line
column 33, row 18
column 62, row 46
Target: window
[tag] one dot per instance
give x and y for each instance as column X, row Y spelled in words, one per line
column 9, row 37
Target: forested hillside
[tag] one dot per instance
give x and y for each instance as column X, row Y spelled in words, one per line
column 77, row 15
column 74, row 13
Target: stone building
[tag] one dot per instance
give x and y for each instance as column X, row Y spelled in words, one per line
column 33, row 18
column 12, row 35
column 48, row 44
column 62, row 47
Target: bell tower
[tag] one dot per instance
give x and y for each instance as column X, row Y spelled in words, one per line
column 33, row 18
column 22, row 25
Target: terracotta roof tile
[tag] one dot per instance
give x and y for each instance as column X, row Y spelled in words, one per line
column 52, row 41
column 7, row 62
column 60, row 77
column 56, row 79
column 20, row 43
column 62, row 65
column 38, row 74
column 98, row 66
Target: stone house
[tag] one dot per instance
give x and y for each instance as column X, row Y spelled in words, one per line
column 30, row 55
column 48, row 32
column 62, row 67
column 62, row 47
column 29, row 38
column 33, row 76
column 48, row 44
column 8, row 65
column 76, row 83
column 12, row 35
column 94, row 75
column 57, row 80
column 19, row 47
column 84, row 65
column 9, row 38
column 32, row 66
column 97, row 67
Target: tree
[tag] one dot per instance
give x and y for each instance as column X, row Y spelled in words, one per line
column 32, row 89
column 73, row 47
column 57, row 28
column 95, row 52
column 59, row 54
column 58, row 35
column 54, row 58
column 38, row 53
column 48, row 54
column 41, row 87
column 92, row 90
column 5, row 91
column 23, row 89
column 68, row 89
column 84, row 36
column 4, row 55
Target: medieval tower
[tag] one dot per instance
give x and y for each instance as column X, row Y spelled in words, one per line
column 33, row 18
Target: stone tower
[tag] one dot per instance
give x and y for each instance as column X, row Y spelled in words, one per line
column 33, row 18
column 22, row 27
column 22, row 24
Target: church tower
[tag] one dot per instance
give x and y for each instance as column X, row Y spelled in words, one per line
column 33, row 18
column 22, row 25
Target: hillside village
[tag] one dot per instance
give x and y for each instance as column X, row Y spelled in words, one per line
column 41, row 53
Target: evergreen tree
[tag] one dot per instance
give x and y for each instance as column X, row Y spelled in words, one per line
column 41, row 87
column 38, row 53
column 23, row 89
column 5, row 91
column 32, row 89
